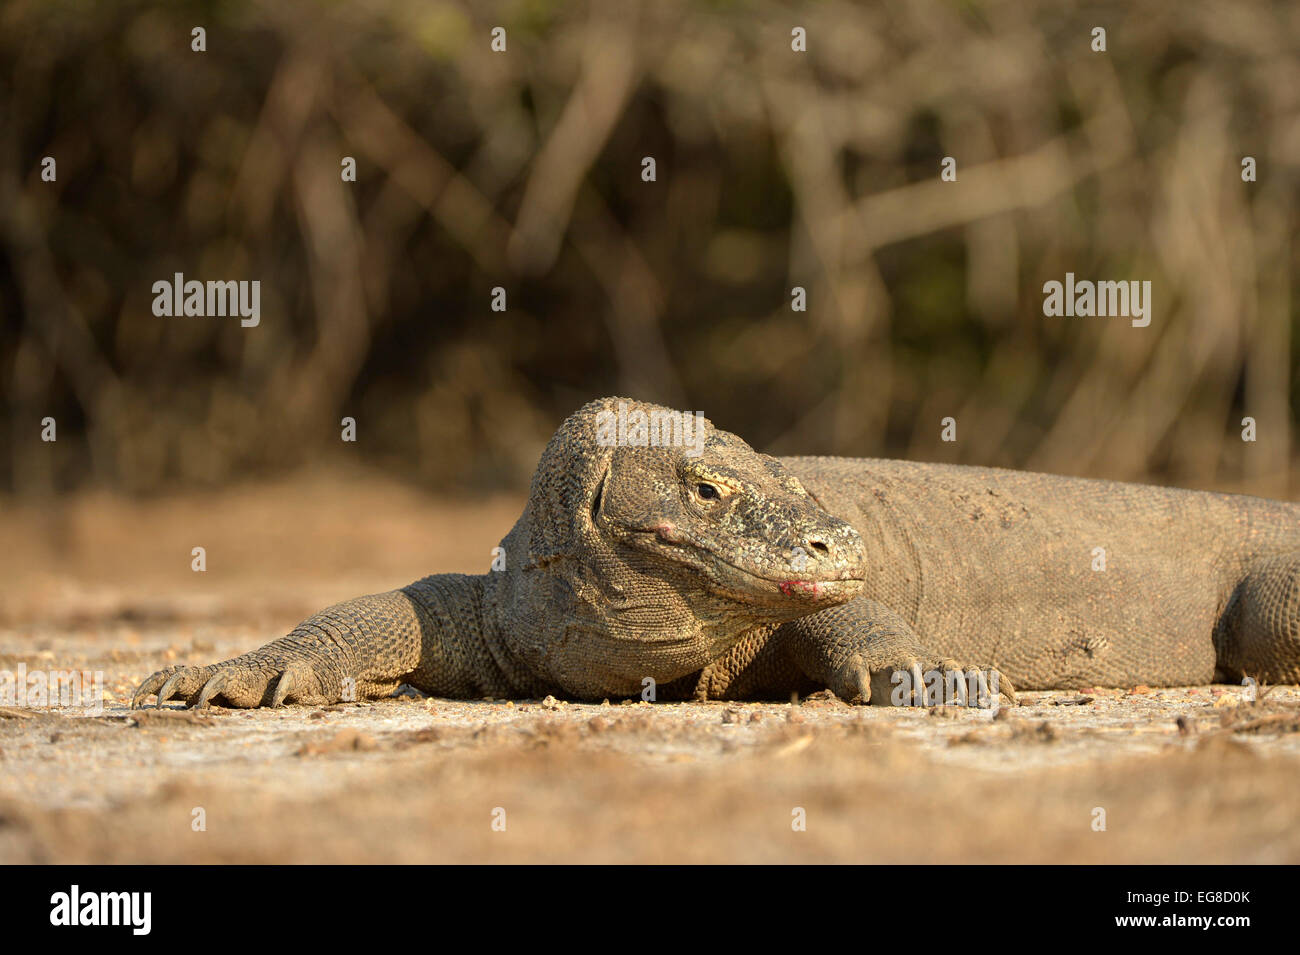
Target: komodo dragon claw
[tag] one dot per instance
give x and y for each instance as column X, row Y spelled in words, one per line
column 923, row 682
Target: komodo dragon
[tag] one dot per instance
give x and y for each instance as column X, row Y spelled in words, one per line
column 729, row 574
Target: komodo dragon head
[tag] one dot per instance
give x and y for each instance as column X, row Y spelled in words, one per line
column 647, row 553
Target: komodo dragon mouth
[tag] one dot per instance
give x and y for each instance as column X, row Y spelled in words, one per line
column 799, row 596
column 748, row 585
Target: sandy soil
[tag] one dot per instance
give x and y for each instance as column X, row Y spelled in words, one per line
column 1188, row 774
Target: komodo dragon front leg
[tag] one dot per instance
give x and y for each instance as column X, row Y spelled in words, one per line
column 861, row 651
column 428, row 635
column 865, row 653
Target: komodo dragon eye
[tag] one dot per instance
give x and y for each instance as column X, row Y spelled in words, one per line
column 707, row 492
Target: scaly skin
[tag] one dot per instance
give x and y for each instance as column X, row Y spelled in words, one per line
column 734, row 575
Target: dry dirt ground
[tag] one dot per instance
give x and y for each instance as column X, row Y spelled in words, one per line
column 105, row 583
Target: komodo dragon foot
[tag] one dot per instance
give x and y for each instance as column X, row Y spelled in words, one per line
column 240, row 683
column 355, row 650
column 866, row 653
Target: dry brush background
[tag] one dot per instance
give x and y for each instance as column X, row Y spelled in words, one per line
column 522, row 169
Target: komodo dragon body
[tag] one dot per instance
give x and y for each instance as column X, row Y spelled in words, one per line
column 729, row 574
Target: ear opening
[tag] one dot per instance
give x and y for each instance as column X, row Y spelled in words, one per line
column 599, row 496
